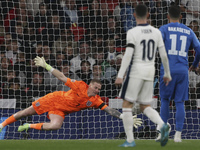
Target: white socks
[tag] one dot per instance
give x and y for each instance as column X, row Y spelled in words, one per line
column 128, row 124
column 153, row 115
column 177, row 137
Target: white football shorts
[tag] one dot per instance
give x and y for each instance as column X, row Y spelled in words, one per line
column 137, row 90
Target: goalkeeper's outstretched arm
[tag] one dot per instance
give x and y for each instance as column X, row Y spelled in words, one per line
column 113, row 112
column 42, row 63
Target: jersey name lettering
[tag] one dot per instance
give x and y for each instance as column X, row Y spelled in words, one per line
column 178, row 29
column 146, row 31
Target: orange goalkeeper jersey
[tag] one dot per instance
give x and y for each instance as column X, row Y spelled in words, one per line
column 73, row 100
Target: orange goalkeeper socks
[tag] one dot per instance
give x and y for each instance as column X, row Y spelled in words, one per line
column 37, row 126
column 8, row 121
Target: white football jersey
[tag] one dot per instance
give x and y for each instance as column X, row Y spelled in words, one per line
column 145, row 39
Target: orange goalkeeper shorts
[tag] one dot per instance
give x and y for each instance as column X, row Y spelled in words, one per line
column 46, row 104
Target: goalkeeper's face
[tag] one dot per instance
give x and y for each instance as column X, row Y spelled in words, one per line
column 93, row 89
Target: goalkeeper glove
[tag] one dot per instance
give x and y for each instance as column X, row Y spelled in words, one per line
column 41, row 62
column 137, row 121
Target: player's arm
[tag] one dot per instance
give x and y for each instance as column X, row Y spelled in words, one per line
column 196, row 46
column 113, row 112
column 126, row 58
column 41, row 62
column 167, row 76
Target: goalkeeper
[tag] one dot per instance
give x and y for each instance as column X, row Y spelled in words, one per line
column 60, row 103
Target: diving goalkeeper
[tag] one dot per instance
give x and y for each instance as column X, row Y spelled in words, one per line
column 61, row 103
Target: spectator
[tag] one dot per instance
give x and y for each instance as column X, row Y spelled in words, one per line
column 4, row 67
column 7, row 41
column 20, row 69
column 69, row 51
column 60, row 56
column 2, row 52
column 97, row 40
column 33, row 6
column 192, row 9
column 48, row 56
column 37, row 50
column 194, row 25
column 114, row 31
column 194, row 85
column 105, row 13
column 194, row 82
column 52, row 33
column 71, row 11
column 31, row 68
column 2, row 29
column 85, row 72
column 99, row 56
column 84, row 54
column 11, row 54
column 127, row 19
column 111, row 51
column 65, row 68
column 94, row 20
column 63, row 41
column 37, row 88
column 111, row 71
column 159, row 14
column 6, row 76
column 14, row 90
column 19, row 34
column 41, row 17
column 30, row 38
column 117, row 10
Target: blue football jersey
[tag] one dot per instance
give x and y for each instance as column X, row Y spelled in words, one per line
column 178, row 38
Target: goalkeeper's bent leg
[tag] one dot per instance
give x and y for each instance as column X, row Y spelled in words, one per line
column 37, row 126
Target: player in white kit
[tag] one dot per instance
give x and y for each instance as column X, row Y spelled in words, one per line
column 138, row 65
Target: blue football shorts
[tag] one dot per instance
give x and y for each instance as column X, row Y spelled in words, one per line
column 177, row 89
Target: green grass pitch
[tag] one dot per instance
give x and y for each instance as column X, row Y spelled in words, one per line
column 94, row 145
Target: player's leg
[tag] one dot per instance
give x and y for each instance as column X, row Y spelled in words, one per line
column 23, row 113
column 181, row 95
column 165, row 93
column 129, row 93
column 164, row 113
column 145, row 99
column 42, row 105
column 164, row 110
column 55, row 123
column 180, row 117
column 128, row 121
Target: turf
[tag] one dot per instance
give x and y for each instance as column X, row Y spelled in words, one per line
column 93, row 145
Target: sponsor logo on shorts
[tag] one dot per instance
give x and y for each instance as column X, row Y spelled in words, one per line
column 37, row 104
column 89, row 103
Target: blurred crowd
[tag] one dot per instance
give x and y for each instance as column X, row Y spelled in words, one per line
column 84, row 39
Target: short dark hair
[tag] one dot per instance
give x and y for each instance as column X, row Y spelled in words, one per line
column 175, row 12
column 141, row 10
column 66, row 63
column 85, row 61
column 96, row 80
